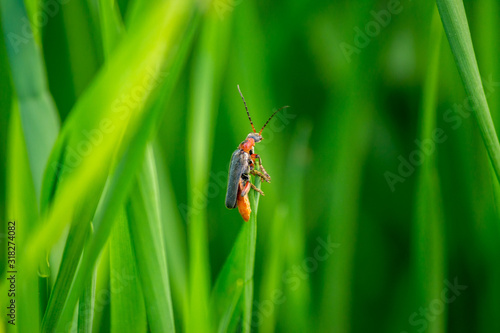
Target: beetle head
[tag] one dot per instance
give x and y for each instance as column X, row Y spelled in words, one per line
column 255, row 136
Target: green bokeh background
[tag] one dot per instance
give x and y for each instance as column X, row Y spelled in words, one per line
column 352, row 118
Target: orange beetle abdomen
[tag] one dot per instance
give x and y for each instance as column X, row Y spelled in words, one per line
column 243, row 204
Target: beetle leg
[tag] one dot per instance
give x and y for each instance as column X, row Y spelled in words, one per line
column 244, row 189
column 261, row 175
column 257, row 189
column 257, row 157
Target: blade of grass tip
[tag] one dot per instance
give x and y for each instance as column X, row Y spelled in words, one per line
column 428, row 235
column 456, row 27
column 86, row 302
column 128, row 311
column 209, row 62
column 147, row 240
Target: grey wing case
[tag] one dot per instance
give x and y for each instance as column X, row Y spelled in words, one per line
column 238, row 166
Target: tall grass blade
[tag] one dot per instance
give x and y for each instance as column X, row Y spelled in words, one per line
column 21, row 208
column 236, row 276
column 71, row 256
column 350, row 155
column 147, row 240
column 88, row 169
column 39, row 118
column 175, row 237
column 128, row 312
column 456, row 27
column 297, row 305
column 286, row 249
column 250, row 242
column 87, row 301
column 428, row 235
column 204, row 102
column 83, row 45
column 111, row 25
column 271, row 285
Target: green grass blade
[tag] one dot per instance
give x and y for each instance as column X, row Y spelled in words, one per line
column 456, row 27
column 21, row 207
column 83, row 45
column 88, row 114
column 69, row 263
column 298, row 297
column 114, row 195
column 86, row 307
column 38, row 114
column 428, row 232
column 237, row 275
column 175, row 237
column 250, row 242
column 272, row 270
column 147, row 238
column 206, row 82
column 6, row 99
column 487, row 30
column 287, row 247
column 87, row 301
column 128, row 312
column 103, row 308
column 88, row 169
column 350, row 152
column 111, row 24
column 33, row 10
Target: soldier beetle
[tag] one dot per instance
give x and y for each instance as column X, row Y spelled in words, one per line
column 242, row 165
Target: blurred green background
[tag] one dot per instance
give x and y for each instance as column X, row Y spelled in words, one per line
column 366, row 82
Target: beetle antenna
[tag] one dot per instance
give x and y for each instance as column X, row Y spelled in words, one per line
column 281, row 108
column 248, row 113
